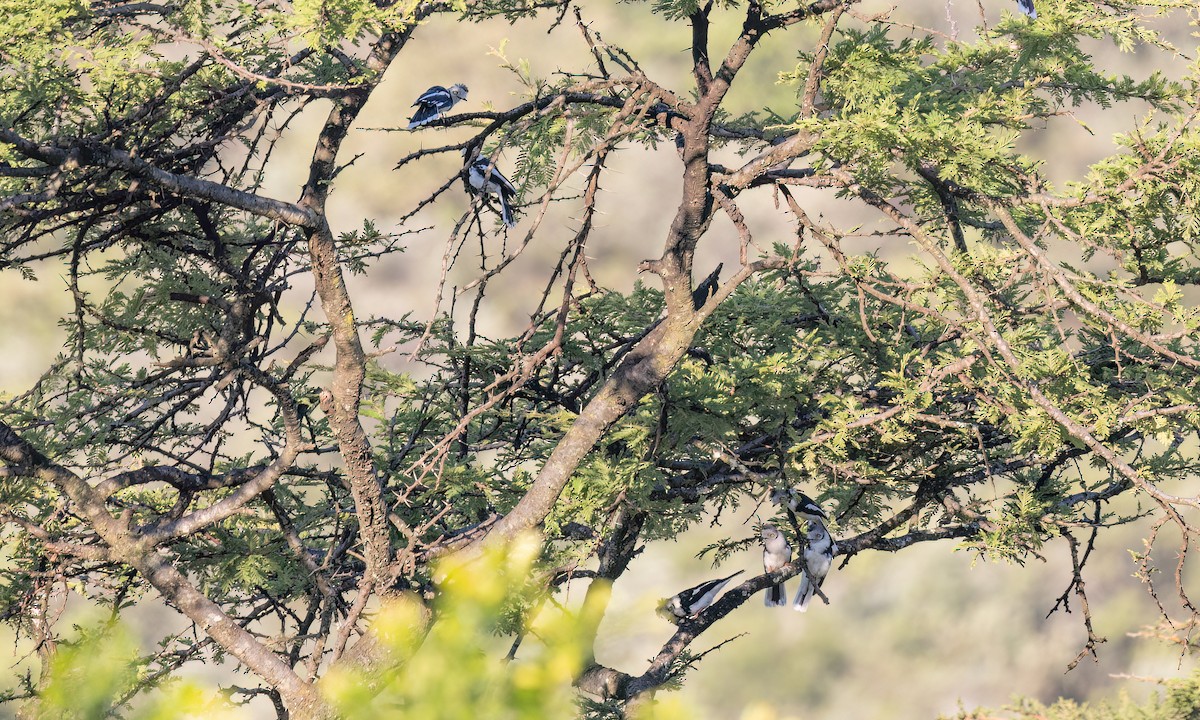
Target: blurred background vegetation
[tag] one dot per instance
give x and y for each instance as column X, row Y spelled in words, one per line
column 911, row 635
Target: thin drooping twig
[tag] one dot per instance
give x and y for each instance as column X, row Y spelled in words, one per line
column 1078, row 562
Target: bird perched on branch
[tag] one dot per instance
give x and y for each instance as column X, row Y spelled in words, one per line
column 485, row 179
column 799, row 503
column 1026, row 7
column 818, row 557
column 707, row 287
column 776, row 554
column 688, row 603
column 820, row 549
column 434, row 103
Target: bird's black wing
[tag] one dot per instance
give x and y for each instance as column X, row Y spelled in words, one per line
column 437, row 96
column 699, row 591
column 706, row 288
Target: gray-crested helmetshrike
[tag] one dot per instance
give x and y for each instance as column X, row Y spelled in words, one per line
column 436, row 102
column 776, row 554
column 688, row 603
column 485, row 179
column 818, row 557
column 1026, row 7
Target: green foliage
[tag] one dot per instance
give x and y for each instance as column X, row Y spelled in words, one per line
column 459, row 671
column 92, row 677
column 961, row 107
column 681, row 9
column 1145, row 214
column 1181, row 701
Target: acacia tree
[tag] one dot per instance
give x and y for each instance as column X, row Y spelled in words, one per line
column 214, row 439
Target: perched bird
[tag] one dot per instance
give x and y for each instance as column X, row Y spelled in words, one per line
column 701, row 354
column 799, row 503
column 1026, row 7
column 776, row 554
column 434, row 103
column 688, row 603
column 818, row 557
column 707, row 287
column 485, row 179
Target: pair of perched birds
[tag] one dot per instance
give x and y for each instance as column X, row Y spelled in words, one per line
column 482, row 175
column 818, row 551
column 818, row 558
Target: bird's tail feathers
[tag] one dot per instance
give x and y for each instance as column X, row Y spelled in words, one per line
column 506, row 212
column 423, row 116
column 804, row 594
column 776, row 596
